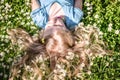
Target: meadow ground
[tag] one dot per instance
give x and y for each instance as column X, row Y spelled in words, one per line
column 103, row 14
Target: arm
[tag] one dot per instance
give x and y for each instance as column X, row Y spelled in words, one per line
column 38, row 14
column 78, row 3
column 35, row 4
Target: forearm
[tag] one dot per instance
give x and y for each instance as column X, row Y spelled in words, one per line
column 35, row 4
column 78, row 4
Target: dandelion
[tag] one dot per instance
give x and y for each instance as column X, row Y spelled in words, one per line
column 5, row 75
column 88, row 13
column 89, row 72
column 28, row 17
column 7, row 67
column 2, row 6
column 90, row 54
column 6, row 17
column 81, row 24
column 58, row 66
column 9, row 16
column 89, row 8
column 1, row 17
column 1, row 74
column 87, row 4
column 3, row 65
column 2, row 54
column 9, row 59
column 28, row 23
column 27, row 13
column 77, row 56
column 7, row 5
column 86, row 42
column 24, row 14
column 2, row 1
column 61, row 77
column 13, row 15
column 96, row 16
column 32, row 78
column 39, row 59
column 62, row 71
column 70, row 56
column 110, row 25
column 27, row 67
column 82, row 65
column 32, row 23
column 43, row 66
column 107, row 64
column 100, row 55
column 100, row 33
column 117, row 31
column 94, row 25
column 55, row 71
column 86, row 36
column 27, row 3
column 33, row 27
column 79, row 75
column 109, row 28
column 91, row 63
column 22, row 11
column 10, row 10
column 111, row 59
column 7, row 50
column 22, row 23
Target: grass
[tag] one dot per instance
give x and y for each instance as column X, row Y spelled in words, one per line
column 103, row 14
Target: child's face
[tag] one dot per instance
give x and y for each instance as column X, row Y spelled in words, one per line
column 54, row 22
column 57, row 36
column 58, row 40
column 56, row 43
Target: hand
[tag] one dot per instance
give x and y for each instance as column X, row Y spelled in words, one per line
column 78, row 3
column 35, row 4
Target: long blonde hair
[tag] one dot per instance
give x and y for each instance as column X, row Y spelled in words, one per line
column 85, row 41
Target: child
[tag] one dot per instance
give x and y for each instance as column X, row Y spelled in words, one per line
column 57, row 18
column 56, row 12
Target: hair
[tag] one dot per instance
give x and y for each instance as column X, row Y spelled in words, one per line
column 84, row 41
column 58, row 41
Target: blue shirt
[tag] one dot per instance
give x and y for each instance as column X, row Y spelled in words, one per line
column 73, row 15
